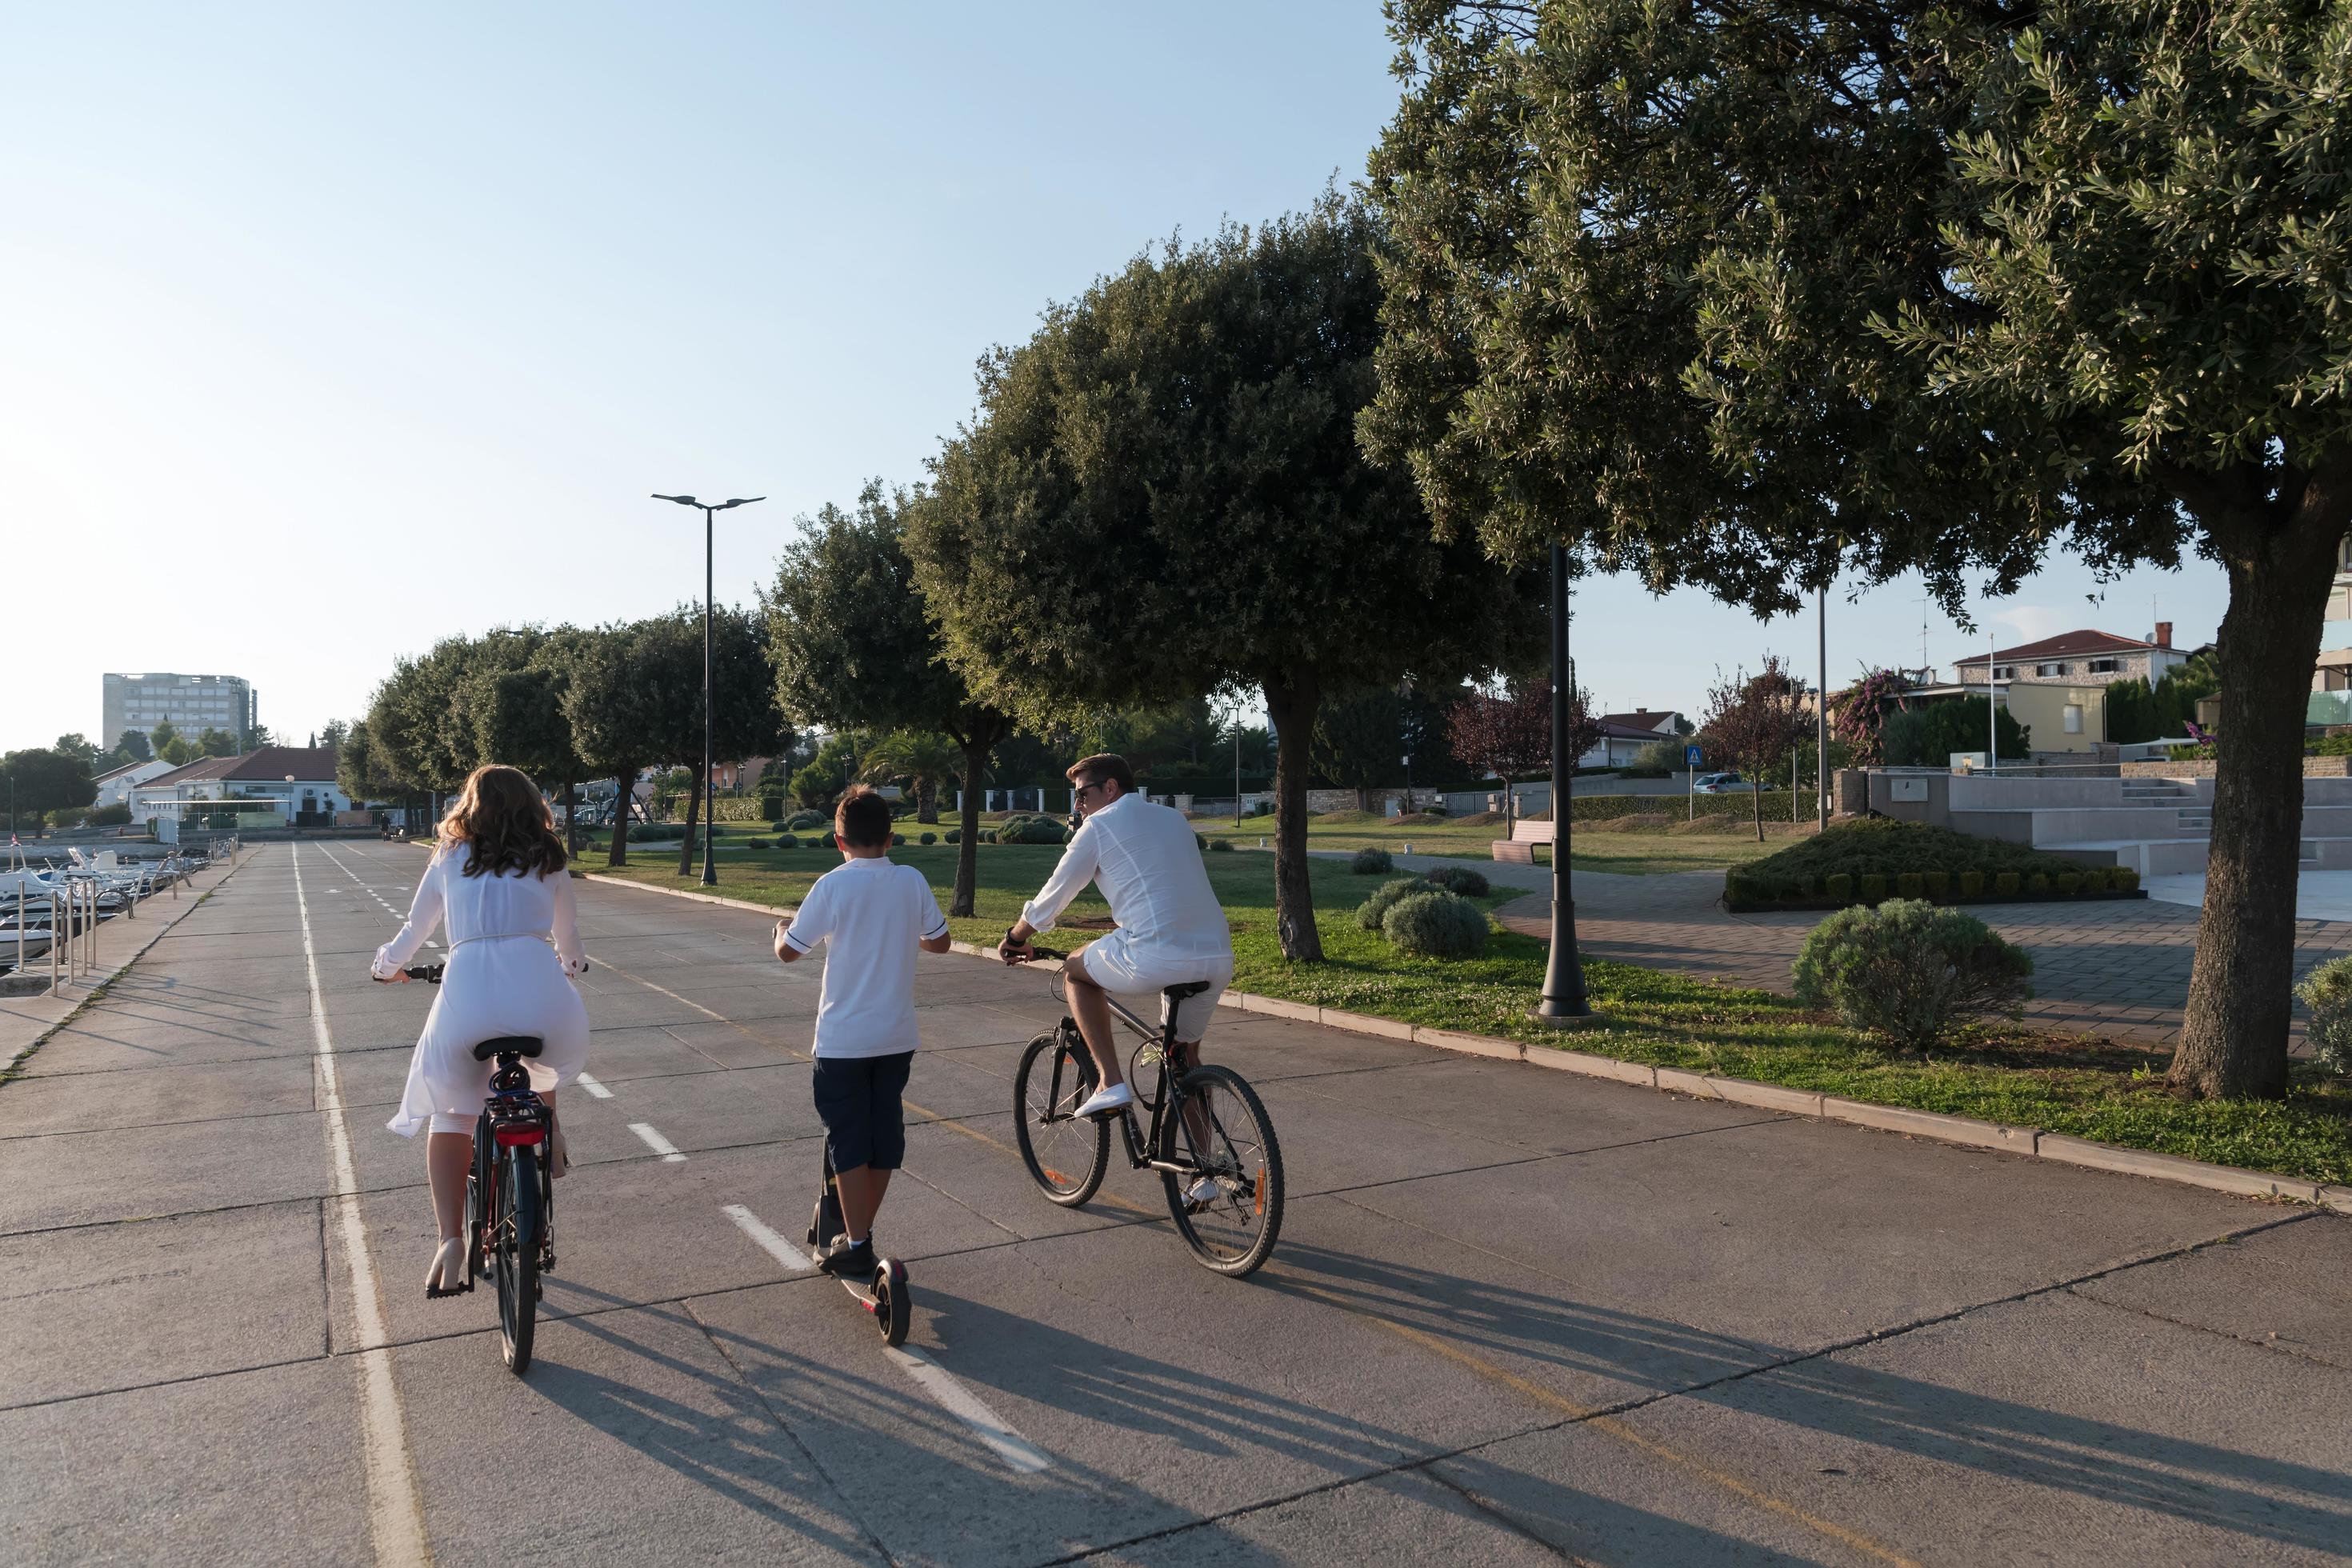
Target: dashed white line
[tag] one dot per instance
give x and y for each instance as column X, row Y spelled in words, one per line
column 395, row 1519
column 592, row 1087
column 990, row 1428
column 774, row 1246
column 657, row 1142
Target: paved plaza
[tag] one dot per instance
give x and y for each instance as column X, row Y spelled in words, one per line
column 1516, row 1316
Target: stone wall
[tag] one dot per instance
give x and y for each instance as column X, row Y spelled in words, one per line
column 2313, row 768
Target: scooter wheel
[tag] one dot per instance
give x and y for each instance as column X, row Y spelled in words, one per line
column 893, row 1308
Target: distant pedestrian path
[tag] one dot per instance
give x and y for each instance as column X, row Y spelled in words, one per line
column 2116, row 968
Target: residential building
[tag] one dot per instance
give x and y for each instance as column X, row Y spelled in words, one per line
column 1620, row 744
column 2335, row 671
column 1654, row 722
column 298, row 780
column 2079, row 658
column 193, row 704
column 114, row 788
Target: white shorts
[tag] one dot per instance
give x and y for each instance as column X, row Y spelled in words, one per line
column 1117, row 963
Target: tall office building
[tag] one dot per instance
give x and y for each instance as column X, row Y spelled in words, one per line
column 192, row 703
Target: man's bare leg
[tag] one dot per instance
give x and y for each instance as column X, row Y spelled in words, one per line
column 1090, row 1006
column 861, row 1193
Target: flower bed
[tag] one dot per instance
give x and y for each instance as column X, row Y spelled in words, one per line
column 1878, row 859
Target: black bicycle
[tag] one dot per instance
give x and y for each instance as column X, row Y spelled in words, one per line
column 1209, row 1138
column 510, row 1193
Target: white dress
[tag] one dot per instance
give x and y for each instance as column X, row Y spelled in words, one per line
column 503, row 978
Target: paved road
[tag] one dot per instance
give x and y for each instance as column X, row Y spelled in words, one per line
column 1516, row 1316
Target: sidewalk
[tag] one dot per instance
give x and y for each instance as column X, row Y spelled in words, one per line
column 24, row 1020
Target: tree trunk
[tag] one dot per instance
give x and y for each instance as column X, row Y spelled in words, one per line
column 975, row 759
column 619, row 853
column 1756, row 794
column 2233, row 1037
column 685, row 852
column 1292, row 704
column 927, row 800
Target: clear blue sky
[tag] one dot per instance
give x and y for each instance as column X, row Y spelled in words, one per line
column 333, row 331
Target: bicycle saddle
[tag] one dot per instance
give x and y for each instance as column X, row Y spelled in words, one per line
column 507, row 1045
column 1189, row 988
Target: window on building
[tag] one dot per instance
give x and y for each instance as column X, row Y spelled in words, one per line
column 2004, row 672
column 2103, row 667
column 2049, row 670
column 2073, row 718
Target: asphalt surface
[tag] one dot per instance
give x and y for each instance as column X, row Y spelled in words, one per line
column 1516, row 1316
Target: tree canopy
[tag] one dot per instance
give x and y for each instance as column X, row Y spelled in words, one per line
column 1741, row 296
column 1162, row 497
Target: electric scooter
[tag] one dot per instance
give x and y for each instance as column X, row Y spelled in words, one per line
column 885, row 1296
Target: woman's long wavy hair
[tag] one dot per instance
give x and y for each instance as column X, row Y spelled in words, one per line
column 503, row 821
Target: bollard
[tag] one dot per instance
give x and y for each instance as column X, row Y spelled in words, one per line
column 20, row 930
column 57, row 933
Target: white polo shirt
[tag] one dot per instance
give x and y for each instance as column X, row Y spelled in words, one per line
column 870, row 913
column 1146, row 862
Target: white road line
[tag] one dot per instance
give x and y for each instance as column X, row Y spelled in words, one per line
column 396, row 1518
column 592, row 1087
column 657, row 1142
column 774, row 1246
column 990, row 1428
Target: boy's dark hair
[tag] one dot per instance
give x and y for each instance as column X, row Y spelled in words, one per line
column 863, row 819
column 1101, row 767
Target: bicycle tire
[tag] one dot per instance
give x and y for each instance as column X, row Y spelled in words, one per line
column 515, row 1256
column 1066, row 1140
column 1238, row 1245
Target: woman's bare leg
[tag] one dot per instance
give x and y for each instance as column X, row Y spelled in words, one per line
column 447, row 1157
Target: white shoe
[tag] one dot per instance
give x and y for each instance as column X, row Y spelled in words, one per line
column 1204, row 1192
column 1117, row 1097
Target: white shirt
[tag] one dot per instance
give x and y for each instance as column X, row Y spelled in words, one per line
column 870, row 913
column 1146, row 862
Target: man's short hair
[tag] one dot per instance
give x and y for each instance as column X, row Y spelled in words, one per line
column 1103, row 767
column 863, row 819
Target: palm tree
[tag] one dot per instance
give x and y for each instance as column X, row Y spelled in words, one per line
column 916, row 757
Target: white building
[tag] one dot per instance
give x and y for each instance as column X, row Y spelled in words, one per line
column 114, row 788
column 298, row 783
column 192, row 703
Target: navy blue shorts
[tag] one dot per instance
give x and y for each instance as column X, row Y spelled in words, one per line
column 858, row 1098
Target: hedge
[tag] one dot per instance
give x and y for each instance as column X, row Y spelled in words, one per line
column 1878, row 859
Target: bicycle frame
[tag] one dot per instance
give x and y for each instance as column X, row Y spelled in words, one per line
column 1167, row 1095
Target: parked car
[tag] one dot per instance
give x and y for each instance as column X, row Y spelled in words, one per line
column 1720, row 784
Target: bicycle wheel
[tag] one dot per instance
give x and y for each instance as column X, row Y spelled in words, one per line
column 1235, row 1147
column 515, row 1254
column 1066, row 1157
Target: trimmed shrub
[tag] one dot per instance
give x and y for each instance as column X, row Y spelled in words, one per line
column 1436, row 924
column 1460, row 879
column 1909, row 884
column 929, row 838
column 2327, row 991
column 1938, row 883
column 955, row 836
column 1840, row 885
column 2068, row 883
column 1971, row 884
column 1372, row 910
column 988, row 836
column 2124, row 879
column 1029, row 827
column 755, row 843
column 897, row 840
column 2005, row 885
column 2038, row 885
column 788, row 841
column 802, row 821
column 771, row 808
column 1371, row 863
column 1221, row 846
column 1739, row 890
column 1873, row 887
column 1910, row 970
column 1201, row 842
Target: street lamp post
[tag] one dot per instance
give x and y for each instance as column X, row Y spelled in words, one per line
column 1563, row 990
column 710, row 866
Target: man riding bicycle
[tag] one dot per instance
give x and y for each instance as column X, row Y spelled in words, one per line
column 1172, row 930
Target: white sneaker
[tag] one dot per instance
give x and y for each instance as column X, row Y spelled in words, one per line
column 1204, row 1192
column 1117, row 1097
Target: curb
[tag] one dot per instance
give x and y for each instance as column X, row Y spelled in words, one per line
column 95, row 986
column 2027, row 1143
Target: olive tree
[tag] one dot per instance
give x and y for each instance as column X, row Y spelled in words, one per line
column 1162, row 497
column 855, row 647
column 1745, row 295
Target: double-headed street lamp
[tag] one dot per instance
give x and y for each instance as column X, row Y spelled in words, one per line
column 709, row 867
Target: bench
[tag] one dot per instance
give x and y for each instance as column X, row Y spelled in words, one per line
column 1519, row 848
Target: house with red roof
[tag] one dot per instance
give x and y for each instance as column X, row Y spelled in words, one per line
column 297, row 782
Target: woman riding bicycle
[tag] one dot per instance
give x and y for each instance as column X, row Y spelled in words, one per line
column 498, row 878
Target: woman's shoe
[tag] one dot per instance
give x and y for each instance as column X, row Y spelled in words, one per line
column 449, row 1265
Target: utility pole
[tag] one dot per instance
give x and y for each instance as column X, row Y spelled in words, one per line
column 1563, row 990
column 1821, row 702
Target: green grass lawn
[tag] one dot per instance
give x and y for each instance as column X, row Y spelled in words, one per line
column 1708, row 847
column 2086, row 1086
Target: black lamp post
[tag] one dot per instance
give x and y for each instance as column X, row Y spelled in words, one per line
column 710, row 866
column 1563, row 990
